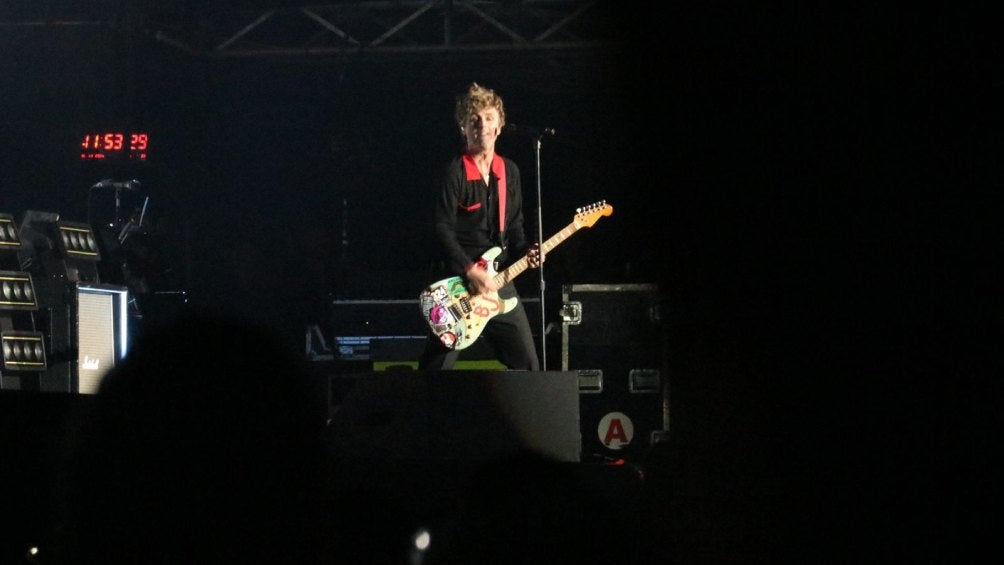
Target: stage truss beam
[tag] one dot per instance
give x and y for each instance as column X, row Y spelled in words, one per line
column 204, row 29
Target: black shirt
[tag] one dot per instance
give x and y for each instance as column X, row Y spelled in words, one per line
column 466, row 216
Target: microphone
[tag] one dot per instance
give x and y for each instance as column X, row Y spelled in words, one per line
column 118, row 185
column 534, row 132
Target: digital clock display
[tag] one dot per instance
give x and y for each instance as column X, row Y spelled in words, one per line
column 115, row 145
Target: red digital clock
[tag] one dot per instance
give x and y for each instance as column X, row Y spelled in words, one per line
column 114, row 145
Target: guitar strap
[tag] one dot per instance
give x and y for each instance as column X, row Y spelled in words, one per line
column 498, row 169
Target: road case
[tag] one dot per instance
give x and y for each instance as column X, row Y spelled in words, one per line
column 613, row 335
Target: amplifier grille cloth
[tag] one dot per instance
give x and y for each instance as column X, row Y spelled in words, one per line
column 96, row 339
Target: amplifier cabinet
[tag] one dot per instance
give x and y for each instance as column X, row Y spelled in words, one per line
column 87, row 331
column 613, row 336
column 391, row 334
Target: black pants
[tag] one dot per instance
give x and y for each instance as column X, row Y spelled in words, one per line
column 509, row 336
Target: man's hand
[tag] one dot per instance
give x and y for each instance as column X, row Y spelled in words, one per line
column 534, row 257
column 479, row 281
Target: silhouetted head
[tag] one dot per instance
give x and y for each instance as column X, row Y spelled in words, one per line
column 203, row 444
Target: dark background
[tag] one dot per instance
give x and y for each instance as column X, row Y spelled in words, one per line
column 259, row 165
column 809, row 188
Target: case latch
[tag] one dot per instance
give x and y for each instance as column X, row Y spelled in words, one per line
column 571, row 313
column 644, row 381
column 590, row 381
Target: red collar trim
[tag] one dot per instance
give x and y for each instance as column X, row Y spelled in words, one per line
column 498, row 169
column 471, row 169
column 472, row 172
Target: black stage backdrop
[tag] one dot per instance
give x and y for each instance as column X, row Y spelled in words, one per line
column 309, row 176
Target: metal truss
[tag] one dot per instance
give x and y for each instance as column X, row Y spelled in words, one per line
column 205, row 29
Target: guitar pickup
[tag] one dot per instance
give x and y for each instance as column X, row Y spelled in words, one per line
column 465, row 304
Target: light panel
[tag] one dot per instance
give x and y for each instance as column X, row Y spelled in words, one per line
column 17, row 291
column 9, row 239
column 23, row 351
column 77, row 241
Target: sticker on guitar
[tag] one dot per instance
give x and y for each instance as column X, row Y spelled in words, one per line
column 458, row 317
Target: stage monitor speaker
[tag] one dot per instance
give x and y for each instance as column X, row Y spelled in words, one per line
column 462, row 415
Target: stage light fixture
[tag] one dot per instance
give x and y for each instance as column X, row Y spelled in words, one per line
column 17, row 292
column 23, row 351
column 77, row 241
column 9, row 240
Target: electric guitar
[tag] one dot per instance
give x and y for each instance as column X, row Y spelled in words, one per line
column 457, row 317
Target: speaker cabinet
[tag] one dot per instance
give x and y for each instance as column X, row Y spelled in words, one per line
column 462, row 415
column 88, row 334
column 389, row 335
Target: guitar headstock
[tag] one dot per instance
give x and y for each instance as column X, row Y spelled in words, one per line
column 589, row 215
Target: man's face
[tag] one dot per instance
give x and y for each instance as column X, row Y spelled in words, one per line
column 482, row 128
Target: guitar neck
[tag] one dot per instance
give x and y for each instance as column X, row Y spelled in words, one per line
column 514, row 270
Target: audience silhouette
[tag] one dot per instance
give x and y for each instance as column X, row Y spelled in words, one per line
column 205, row 444
column 526, row 508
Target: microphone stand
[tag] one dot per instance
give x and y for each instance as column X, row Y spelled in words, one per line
column 540, row 243
column 537, row 135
